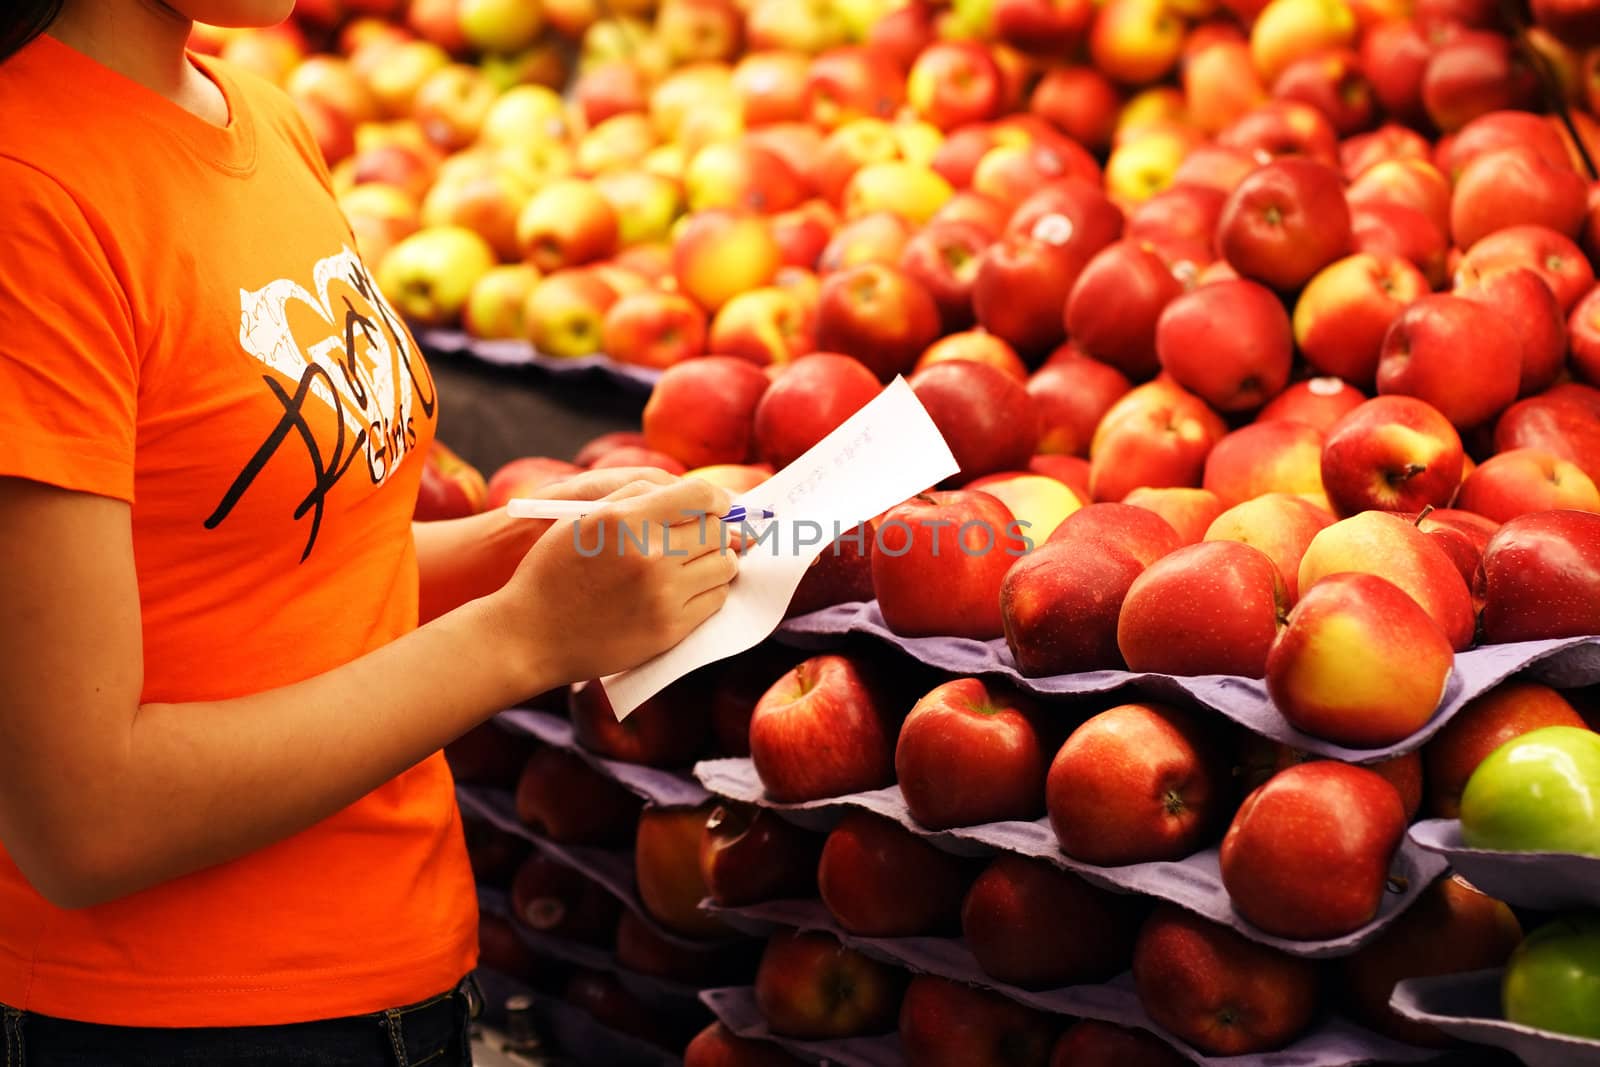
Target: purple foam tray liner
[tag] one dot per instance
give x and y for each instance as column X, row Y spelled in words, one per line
column 735, row 1007
column 570, row 1028
column 512, row 353
column 1542, row 881
column 666, row 789
column 1331, row 1043
column 612, row 869
column 1467, row 1006
column 1563, row 663
column 1194, row 883
column 660, row 992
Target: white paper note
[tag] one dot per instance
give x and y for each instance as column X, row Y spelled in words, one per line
column 886, row 452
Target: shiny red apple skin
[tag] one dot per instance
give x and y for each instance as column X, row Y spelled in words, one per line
column 1553, row 255
column 1070, row 394
column 1541, row 577
column 1509, row 710
column 1229, row 343
column 867, row 864
column 1307, row 856
column 1156, row 435
column 939, row 561
column 1138, row 532
column 749, row 854
column 1317, row 402
column 985, row 416
column 944, row 256
column 1525, row 299
column 1135, row 784
column 809, row 986
column 1280, row 525
column 563, row 798
column 821, row 731
column 1524, row 480
column 1210, row 608
column 1515, row 186
column 702, row 411
column 879, row 315
column 944, row 1023
column 668, row 730
column 1060, row 605
column 1451, row 928
column 1221, row 992
column 1393, row 453
column 971, row 753
column 1033, row 925
column 1021, row 286
column 1441, row 337
column 1115, row 303
column 1286, row 221
column 807, row 401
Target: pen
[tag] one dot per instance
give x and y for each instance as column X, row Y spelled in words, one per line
column 526, row 508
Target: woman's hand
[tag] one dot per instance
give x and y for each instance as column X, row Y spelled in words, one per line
column 623, row 584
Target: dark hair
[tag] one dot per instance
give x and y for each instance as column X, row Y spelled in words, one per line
column 23, row 20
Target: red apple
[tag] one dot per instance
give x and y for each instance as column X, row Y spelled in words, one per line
column 1308, row 854
column 985, row 416
column 1285, row 221
column 1452, row 928
column 1021, row 286
column 629, row 456
column 1138, row 783
column 1114, row 305
column 1210, row 608
column 1317, row 402
column 1033, row 925
column 555, row 899
column 1190, row 512
column 1217, row 990
column 1080, row 101
column 808, row 400
column 1157, row 434
column 974, row 346
column 667, row 868
column 1526, row 300
column 749, row 854
column 944, row 256
column 1395, row 54
column 1515, row 186
column 1394, row 453
column 1563, row 428
column 1397, row 231
column 938, row 563
column 1554, row 256
column 702, row 412
column 950, row 1024
column 1266, row 457
column 1524, row 480
column 1460, row 356
column 653, row 328
column 867, row 863
column 877, row 314
column 849, row 83
column 668, row 730
column 563, row 798
column 1332, row 671
column 450, row 487
column 524, row 477
column 1070, row 394
column 809, row 986
column 597, row 447
column 971, row 753
column 953, row 83
column 1059, row 606
column 1472, row 74
column 1541, row 577
column 1343, row 313
column 1229, row 342
column 822, row 731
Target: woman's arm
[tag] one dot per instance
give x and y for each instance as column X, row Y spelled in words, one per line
column 459, row 560
column 101, row 797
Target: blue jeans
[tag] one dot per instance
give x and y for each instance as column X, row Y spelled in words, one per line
column 432, row 1033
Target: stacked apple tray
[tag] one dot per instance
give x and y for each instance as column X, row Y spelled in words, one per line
column 1464, row 1006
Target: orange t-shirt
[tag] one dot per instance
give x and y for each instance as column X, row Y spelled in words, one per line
column 184, row 325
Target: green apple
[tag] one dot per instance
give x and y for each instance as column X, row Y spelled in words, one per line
column 1552, row 981
column 1537, row 793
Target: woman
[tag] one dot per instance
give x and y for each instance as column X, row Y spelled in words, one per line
column 226, row 834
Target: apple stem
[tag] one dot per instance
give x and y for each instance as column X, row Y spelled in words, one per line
column 925, row 498
column 1422, row 515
